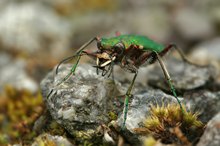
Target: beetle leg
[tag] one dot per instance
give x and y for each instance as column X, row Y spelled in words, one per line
column 78, row 54
column 111, row 66
column 104, row 72
column 168, row 78
column 97, row 63
column 111, row 70
column 127, row 96
column 170, row 46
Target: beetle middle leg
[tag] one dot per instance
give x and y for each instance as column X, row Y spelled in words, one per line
column 128, row 95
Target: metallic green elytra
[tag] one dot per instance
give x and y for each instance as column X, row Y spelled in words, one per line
column 141, row 41
column 129, row 52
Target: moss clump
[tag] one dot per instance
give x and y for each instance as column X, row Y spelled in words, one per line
column 44, row 140
column 112, row 115
column 88, row 138
column 171, row 126
column 18, row 111
column 149, row 141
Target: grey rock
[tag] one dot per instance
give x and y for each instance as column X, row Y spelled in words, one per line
column 193, row 24
column 205, row 4
column 207, row 52
column 211, row 136
column 82, row 102
column 150, row 22
column 126, row 77
column 12, row 72
column 205, row 102
column 53, row 139
column 140, row 106
column 184, row 76
column 23, row 26
column 42, row 122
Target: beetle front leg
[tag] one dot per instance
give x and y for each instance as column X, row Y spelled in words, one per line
column 168, row 78
column 79, row 53
column 127, row 96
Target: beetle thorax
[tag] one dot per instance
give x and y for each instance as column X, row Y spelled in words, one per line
column 108, row 43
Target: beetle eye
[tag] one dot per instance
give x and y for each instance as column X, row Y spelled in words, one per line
column 120, row 45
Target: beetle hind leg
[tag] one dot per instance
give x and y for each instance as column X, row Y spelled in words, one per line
column 180, row 52
column 169, row 81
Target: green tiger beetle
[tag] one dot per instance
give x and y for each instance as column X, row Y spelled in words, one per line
column 130, row 52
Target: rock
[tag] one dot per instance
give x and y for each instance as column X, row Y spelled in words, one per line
column 12, row 72
column 211, row 136
column 124, row 76
column 43, row 122
column 205, row 102
column 149, row 22
column 83, row 102
column 47, row 139
column 185, row 76
column 193, row 24
column 31, row 26
column 140, row 106
column 207, row 52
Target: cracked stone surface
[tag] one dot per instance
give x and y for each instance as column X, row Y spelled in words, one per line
column 83, row 101
column 52, row 139
column 205, row 102
column 184, row 76
column 140, row 106
column 211, row 136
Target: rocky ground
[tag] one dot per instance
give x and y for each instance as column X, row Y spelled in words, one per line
column 87, row 109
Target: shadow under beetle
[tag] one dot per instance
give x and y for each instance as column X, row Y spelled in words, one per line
column 130, row 52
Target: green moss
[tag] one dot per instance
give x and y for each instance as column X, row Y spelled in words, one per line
column 170, row 125
column 152, row 123
column 18, row 111
column 112, row 115
column 55, row 129
column 190, row 119
column 85, row 137
column 149, row 141
column 44, row 141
